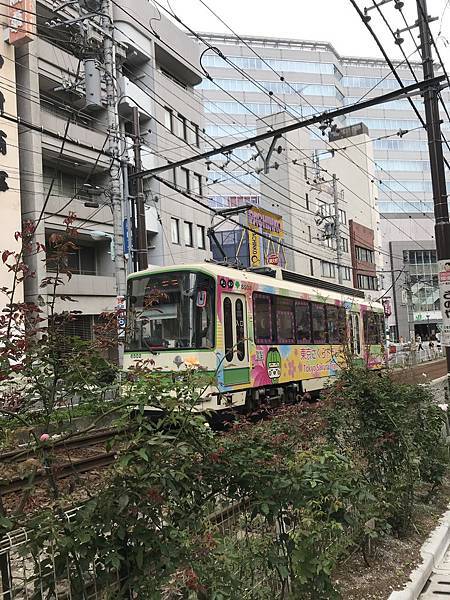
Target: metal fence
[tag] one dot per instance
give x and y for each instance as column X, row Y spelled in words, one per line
column 28, row 572
column 408, row 358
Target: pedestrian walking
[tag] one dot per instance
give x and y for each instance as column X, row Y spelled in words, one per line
column 419, row 343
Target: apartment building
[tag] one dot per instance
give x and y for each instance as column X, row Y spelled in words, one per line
column 304, row 78
column 65, row 162
column 9, row 160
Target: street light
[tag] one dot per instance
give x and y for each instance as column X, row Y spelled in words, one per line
column 99, row 236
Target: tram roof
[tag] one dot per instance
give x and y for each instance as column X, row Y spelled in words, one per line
column 278, row 278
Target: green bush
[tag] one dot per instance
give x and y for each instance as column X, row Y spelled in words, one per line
column 393, row 432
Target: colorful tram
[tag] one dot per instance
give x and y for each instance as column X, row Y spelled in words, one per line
column 263, row 337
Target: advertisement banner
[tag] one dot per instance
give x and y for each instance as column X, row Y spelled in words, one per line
column 254, row 243
column 444, row 286
column 264, row 249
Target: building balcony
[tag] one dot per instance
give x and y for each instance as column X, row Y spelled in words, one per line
column 84, row 143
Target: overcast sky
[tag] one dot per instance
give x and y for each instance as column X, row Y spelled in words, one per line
column 332, row 21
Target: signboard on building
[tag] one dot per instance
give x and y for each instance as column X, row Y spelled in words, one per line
column 444, row 285
column 21, row 21
column 268, row 245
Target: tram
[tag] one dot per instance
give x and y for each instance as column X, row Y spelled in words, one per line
column 263, row 336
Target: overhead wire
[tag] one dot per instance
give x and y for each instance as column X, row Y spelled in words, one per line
column 254, row 115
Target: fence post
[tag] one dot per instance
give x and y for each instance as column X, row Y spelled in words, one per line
column 5, row 573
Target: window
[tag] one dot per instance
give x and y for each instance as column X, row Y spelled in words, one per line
column 257, row 64
column 416, row 166
column 81, row 260
column 373, row 327
column 188, row 236
column 344, row 244
column 284, row 310
column 240, row 329
column 311, row 266
column 328, row 269
column 201, row 242
column 195, row 134
column 346, row 273
column 309, row 234
column 228, row 329
column 307, row 195
column 364, row 254
column 175, row 230
column 172, row 310
column 168, row 119
column 369, row 82
column 342, row 217
column 336, row 322
column 236, row 131
column 303, row 321
column 366, row 282
column 197, row 184
column 262, row 316
column 185, row 182
column 319, row 323
column 393, row 124
column 183, row 132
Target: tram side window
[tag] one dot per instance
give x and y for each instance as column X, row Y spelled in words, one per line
column 284, row 310
column 228, row 329
column 373, row 323
column 240, row 329
column 336, row 323
column 319, row 323
column 262, row 316
column 303, row 321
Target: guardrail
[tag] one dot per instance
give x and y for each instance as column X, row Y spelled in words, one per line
column 408, row 358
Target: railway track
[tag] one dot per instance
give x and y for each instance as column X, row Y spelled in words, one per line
column 61, row 471
column 76, row 442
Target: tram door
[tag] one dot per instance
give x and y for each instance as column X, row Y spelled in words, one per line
column 236, row 366
column 355, row 334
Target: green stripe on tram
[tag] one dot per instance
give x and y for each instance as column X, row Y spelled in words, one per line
column 236, row 376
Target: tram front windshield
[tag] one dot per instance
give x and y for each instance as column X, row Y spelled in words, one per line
column 169, row 311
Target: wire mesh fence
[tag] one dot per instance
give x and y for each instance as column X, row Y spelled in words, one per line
column 31, row 570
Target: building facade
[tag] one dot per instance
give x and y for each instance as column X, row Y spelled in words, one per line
column 305, row 78
column 9, row 160
column 66, row 167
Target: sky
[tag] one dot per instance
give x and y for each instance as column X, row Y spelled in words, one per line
column 334, row 21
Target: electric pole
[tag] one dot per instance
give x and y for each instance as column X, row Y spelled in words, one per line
column 442, row 225
column 337, row 230
column 109, row 48
column 141, row 245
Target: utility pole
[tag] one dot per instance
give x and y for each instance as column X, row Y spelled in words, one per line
column 141, row 242
column 442, row 225
column 109, row 48
column 337, row 230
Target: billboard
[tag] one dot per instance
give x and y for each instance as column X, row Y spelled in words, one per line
column 264, row 237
